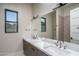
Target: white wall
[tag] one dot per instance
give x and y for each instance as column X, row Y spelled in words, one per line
column 12, row 42
column 43, row 8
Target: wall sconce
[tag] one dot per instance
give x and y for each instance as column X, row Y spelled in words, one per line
column 29, row 27
column 34, row 17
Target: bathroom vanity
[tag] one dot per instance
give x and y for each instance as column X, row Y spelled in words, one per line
column 47, row 47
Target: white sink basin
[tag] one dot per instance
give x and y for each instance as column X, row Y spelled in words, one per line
column 57, row 51
column 40, row 43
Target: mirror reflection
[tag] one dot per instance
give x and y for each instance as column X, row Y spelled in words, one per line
column 45, row 26
column 69, row 23
column 64, row 21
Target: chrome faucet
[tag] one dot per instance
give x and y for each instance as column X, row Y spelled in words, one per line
column 35, row 36
column 60, row 44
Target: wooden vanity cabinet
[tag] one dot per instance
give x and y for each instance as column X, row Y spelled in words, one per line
column 30, row 50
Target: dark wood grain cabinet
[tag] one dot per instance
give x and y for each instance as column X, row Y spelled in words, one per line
column 30, row 50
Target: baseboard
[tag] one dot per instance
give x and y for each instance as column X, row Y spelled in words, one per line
column 18, row 53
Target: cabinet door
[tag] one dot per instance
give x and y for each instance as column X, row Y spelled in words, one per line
column 29, row 50
column 26, row 48
column 32, row 50
column 74, row 25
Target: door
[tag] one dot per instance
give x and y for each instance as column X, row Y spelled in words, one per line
column 74, row 25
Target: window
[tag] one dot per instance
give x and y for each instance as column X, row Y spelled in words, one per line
column 43, row 24
column 11, row 21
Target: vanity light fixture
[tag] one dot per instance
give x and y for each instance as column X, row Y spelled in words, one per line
column 29, row 28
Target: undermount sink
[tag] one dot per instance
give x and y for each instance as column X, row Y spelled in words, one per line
column 57, row 51
column 40, row 43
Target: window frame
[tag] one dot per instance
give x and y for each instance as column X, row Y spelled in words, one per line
column 45, row 24
column 11, row 21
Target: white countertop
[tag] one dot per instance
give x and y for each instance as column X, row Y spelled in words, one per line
column 48, row 46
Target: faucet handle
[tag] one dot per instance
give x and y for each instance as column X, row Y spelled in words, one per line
column 64, row 47
column 56, row 44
